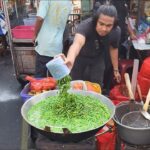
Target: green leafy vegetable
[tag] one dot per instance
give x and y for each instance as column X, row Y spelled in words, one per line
column 76, row 112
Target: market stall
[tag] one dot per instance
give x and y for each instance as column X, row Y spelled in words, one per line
column 142, row 28
column 20, row 43
column 20, row 17
column 23, row 55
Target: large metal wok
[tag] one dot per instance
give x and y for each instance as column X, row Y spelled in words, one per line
column 66, row 136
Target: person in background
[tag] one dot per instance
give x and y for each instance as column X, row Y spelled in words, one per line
column 89, row 48
column 122, row 7
column 51, row 20
column 97, row 3
column 123, row 21
column 127, row 32
column 3, row 33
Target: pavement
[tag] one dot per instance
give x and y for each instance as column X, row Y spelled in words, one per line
column 10, row 105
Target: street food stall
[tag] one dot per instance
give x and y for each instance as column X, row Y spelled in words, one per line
column 20, row 41
column 142, row 43
column 20, row 17
column 23, row 56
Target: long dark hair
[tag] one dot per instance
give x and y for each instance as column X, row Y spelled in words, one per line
column 108, row 10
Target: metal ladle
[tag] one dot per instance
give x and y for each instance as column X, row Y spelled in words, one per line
column 135, row 118
column 140, row 94
column 145, row 107
column 138, row 119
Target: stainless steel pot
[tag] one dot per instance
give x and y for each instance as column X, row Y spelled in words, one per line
column 66, row 137
column 136, row 136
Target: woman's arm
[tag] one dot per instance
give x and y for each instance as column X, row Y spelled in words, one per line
column 38, row 25
column 114, row 60
column 74, row 49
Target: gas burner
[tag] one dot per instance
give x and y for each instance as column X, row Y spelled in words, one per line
column 129, row 146
column 43, row 143
column 123, row 145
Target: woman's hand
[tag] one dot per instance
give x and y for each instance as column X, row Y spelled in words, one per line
column 133, row 36
column 117, row 76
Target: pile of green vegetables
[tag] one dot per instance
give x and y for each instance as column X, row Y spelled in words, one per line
column 76, row 112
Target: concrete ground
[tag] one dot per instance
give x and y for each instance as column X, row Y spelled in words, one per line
column 10, row 105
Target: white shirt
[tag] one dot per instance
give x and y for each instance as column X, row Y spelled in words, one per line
column 55, row 14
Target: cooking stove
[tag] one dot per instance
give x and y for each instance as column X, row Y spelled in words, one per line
column 43, row 143
column 122, row 145
column 136, row 147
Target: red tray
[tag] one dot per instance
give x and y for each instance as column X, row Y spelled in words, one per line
column 23, row 32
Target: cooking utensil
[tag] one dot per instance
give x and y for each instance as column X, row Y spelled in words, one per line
column 132, row 118
column 136, row 136
column 132, row 135
column 140, row 93
column 146, row 114
column 134, row 75
column 131, row 95
column 58, row 68
column 66, row 136
column 145, row 107
column 135, row 119
column 131, row 103
column 128, row 84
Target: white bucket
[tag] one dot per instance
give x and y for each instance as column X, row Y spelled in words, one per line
column 57, row 68
column 29, row 21
column 32, row 15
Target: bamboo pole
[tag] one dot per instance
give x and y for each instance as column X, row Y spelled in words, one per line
column 4, row 5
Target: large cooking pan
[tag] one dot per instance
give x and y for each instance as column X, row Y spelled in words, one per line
column 66, row 136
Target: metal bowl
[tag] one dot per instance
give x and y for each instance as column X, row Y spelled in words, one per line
column 66, row 137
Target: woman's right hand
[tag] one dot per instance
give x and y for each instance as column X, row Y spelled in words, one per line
column 133, row 36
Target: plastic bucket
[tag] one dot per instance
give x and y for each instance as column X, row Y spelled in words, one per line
column 24, row 93
column 32, row 15
column 29, row 21
column 57, row 68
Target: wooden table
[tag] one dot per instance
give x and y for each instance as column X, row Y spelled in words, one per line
column 142, row 49
column 140, row 46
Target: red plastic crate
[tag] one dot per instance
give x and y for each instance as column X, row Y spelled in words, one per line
column 23, row 32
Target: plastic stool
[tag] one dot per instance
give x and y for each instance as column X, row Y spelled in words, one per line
column 124, row 65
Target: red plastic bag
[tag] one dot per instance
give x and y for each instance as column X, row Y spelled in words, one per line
column 145, row 68
column 144, row 84
column 106, row 141
column 115, row 102
column 119, row 92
